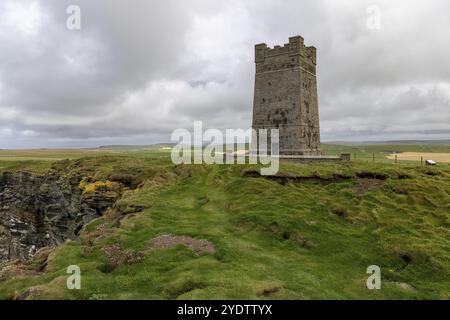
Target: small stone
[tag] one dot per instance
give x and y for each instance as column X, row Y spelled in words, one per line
column 405, row 286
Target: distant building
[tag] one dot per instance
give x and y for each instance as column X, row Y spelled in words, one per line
column 286, row 96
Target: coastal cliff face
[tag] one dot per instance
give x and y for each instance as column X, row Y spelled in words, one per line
column 38, row 211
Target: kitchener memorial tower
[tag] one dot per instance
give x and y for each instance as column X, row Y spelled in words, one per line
column 286, row 96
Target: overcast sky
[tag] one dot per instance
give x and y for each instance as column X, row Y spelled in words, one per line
column 139, row 69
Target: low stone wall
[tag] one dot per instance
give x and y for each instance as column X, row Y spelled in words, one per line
column 342, row 157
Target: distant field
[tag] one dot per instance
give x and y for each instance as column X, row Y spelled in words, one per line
column 416, row 156
column 41, row 159
column 47, row 154
column 61, row 154
column 380, row 153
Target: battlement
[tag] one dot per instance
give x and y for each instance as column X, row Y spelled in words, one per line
column 286, row 96
column 295, row 47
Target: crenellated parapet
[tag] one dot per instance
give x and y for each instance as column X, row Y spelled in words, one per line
column 290, row 56
column 295, row 48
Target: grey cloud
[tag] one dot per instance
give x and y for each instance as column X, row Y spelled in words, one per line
column 136, row 71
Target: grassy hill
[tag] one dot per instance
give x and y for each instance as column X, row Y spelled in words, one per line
column 224, row 232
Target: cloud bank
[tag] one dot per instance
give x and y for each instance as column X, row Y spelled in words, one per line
column 138, row 70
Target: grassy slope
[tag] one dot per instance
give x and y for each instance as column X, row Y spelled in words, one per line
column 266, row 235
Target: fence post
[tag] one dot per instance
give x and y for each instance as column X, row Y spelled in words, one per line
column 373, row 158
column 421, row 161
column 395, row 159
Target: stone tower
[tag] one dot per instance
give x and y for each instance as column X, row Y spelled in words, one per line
column 286, row 96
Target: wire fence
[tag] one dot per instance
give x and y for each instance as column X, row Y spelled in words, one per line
column 385, row 158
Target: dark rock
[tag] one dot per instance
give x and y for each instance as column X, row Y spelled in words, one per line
column 38, row 211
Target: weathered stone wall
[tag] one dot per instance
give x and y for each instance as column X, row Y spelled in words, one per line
column 286, row 95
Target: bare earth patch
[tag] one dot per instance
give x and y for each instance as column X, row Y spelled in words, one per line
column 364, row 184
column 166, row 241
column 416, row 156
column 15, row 269
column 29, row 293
column 270, row 292
column 404, row 286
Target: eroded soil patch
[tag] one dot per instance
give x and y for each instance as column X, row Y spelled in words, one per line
column 365, row 184
column 116, row 256
column 167, row 241
column 284, row 179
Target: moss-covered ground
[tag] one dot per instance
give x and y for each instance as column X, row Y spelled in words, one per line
column 309, row 233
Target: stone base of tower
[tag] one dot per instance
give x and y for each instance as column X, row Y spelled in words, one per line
column 306, row 152
column 313, row 158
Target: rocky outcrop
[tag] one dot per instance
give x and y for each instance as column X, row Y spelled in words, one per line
column 39, row 211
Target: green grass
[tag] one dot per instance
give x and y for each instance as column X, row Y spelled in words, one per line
column 381, row 151
column 272, row 241
column 40, row 160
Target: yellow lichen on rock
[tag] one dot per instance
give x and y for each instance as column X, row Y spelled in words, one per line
column 98, row 186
